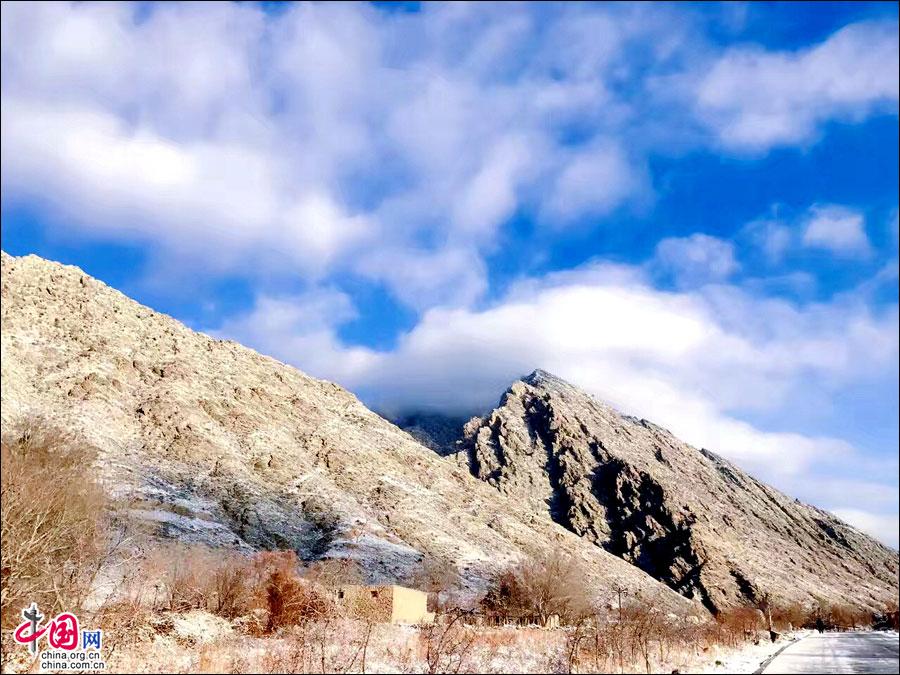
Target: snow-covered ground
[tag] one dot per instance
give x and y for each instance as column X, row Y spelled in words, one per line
column 749, row 658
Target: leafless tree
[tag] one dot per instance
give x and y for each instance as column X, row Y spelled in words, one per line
column 540, row 587
column 575, row 638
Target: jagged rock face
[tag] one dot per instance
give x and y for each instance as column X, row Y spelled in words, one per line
column 685, row 516
column 209, row 441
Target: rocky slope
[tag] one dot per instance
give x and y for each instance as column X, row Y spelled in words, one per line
column 209, row 441
column 685, row 516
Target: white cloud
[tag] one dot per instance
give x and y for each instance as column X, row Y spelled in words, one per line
column 133, row 184
column 318, row 230
column 300, row 140
column 696, row 259
column 691, row 361
column 772, row 236
column 594, row 181
column 489, row 196
column 295, row 141
column 754, row 99
column 423, row 279
column 300, row 329
column 836, row 229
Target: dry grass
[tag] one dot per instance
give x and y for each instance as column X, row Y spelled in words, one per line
column 54, row 520
column 181, row 578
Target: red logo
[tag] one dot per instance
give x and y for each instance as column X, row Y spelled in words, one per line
column 62, row 632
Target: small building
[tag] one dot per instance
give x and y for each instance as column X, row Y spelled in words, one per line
column 385, row 604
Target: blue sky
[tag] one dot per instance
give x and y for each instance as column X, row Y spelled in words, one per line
column 689, row 210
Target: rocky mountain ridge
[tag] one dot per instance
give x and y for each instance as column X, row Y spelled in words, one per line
column 687, row 517
column 207, row 441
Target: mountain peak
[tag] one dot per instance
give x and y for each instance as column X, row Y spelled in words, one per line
column 543, row 379
column 688, row 518
column 538, row 374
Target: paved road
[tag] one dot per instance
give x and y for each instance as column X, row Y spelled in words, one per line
column 839, row 653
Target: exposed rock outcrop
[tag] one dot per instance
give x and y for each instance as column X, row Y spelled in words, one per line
column 685, row 516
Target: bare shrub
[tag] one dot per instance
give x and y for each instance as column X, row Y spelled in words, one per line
column 644, row 628
column 575, row 639
column 887, row 618
column 187, row 578
column 289, row 599
column 447, row 646
column 539, row 587
column 183, row 577
column 641, row 636
column 325, row 645
column 233, row 585
column 615, row 639
column 125, row 623
column 232, row 592
column 55, row 526
column 739, row 624
column 606, row 644
column 841, row 616
column 787, row 617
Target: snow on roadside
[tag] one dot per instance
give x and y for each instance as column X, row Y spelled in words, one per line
column 747, row 659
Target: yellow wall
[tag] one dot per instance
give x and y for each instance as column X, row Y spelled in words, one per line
column 410, row 606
